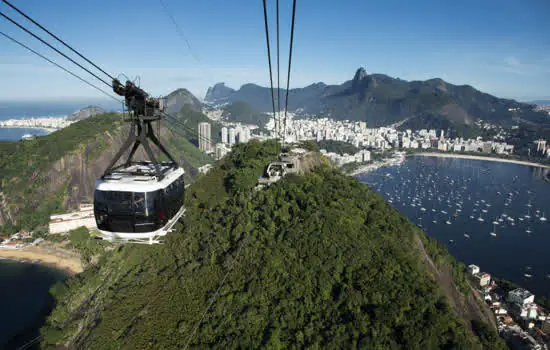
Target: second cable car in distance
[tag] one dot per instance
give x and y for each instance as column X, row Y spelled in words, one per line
column 139, row 201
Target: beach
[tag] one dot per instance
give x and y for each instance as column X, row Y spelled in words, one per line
column 363, row 169
column 491, row 159
column 46, row 255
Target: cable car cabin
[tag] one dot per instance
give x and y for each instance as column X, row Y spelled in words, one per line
column 131, row 205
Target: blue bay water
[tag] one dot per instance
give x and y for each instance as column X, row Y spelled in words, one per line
column 15, row 134
column 24, row 295
column 467, row 190
column 26, row 109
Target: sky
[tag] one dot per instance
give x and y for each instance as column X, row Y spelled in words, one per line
column 499, row 47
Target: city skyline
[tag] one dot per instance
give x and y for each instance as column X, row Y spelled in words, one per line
column 497, row 47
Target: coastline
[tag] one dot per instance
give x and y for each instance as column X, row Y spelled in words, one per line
column 44, row 129
column 467, row 156
column 363, row 169
column 67, row 262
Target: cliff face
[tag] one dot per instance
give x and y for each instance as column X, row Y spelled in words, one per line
column 39, row 187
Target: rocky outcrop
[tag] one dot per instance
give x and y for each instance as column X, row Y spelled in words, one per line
column 86, row 112
column 218, row 93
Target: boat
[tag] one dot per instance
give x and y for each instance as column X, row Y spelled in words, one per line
column 493, row 234
column 466, row 235
column 542, row 218
column 527, row 275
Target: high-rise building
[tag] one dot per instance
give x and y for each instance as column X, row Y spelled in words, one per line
column 244, row 134
column 225, row 135
column 221, row 150
column 205, row 137
column 238, row 134
column 231, row 140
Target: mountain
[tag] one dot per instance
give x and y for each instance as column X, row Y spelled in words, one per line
column 218, row 93
column 382, row 100
column 86, row 112
column 179, row 98
column 57, row 172
column 242, row 112
column 314, row 261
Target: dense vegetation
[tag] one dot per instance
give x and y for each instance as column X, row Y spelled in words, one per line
column 316, row 261
column 339, row 147
column 242, row 112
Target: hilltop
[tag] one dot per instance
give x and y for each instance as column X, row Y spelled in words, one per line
column 316, row 261
column 86, row 112
column 56, row 172
column 383, row 100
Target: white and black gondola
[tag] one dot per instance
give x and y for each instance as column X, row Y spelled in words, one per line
column 139, row 201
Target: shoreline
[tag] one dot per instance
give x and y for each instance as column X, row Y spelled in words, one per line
column 44, row 129
column 37, row 255
column 366, row 168
column 491, row 159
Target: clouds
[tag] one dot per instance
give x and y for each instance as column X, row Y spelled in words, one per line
column 513, row 64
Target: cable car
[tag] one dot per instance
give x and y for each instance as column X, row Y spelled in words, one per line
column 139, row 201
column 132, row 205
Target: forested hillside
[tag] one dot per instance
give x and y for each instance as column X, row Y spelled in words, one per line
column 314, row 261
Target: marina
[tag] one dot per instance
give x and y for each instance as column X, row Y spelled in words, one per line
column 485, row 212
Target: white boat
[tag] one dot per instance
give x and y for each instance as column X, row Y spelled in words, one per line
column 542, row 218
column 493, row 234
column 466, row 235
column 527, row 275
column 480, row 219
column 448, row 222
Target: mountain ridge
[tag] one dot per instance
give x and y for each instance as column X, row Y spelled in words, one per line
column 381, row 100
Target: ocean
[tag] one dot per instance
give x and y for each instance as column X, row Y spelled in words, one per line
column 24, row 297
column 451, row 198
column 27, row 109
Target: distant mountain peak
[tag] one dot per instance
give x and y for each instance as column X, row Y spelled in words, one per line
column 86, row 112
column 218, row 92
column 179, row 98
column 360, row 74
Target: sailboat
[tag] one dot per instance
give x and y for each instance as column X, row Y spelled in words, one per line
column 494, row 233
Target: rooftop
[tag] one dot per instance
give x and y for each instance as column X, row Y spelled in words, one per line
column 139, row 177
column 522, row 293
